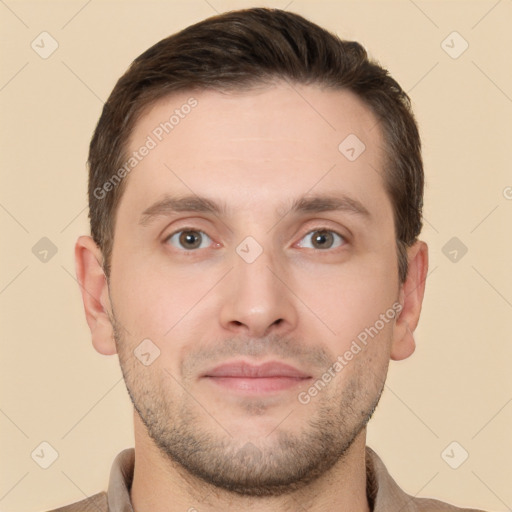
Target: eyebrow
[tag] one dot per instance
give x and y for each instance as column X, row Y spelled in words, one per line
column 169, row 205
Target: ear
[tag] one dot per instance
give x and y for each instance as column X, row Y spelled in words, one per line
column 94, row 289
column 411, row 299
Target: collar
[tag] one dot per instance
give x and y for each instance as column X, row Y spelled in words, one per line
column 383, row 492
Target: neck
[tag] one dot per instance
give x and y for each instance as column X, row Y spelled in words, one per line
column 161, row 485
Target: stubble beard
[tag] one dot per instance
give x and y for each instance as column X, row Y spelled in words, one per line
column 191, row 437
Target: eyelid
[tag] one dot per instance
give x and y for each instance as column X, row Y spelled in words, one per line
column 186, row 227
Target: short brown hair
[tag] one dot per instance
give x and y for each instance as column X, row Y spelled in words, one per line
column 240, row 49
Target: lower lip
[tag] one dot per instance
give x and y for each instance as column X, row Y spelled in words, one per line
column 258, row 384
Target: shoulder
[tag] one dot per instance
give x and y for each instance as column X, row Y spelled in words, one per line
column 385, row 494
column 431, row 505
column 96, row 503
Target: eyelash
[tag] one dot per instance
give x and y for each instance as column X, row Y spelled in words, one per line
column 310, row 232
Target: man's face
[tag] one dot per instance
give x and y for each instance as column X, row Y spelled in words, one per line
column 195, row 283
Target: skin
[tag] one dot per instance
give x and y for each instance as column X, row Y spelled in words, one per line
column 200, row 446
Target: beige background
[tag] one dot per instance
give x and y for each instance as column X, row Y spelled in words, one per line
column 456, row 387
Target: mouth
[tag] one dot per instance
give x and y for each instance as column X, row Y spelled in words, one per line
column 244, row 377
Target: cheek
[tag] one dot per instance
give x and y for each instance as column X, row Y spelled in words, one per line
column 144, row 302
column 351, row 298
column 158, row 303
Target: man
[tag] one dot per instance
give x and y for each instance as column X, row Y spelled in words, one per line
column 256, row 189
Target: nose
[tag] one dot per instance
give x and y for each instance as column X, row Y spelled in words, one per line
column 258, row 300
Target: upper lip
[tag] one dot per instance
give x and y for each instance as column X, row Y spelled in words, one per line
column 245, row 369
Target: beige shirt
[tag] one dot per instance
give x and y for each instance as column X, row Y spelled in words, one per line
column 384, row 495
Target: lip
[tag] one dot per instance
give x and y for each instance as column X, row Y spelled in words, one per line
column 243, row 369
column 243, row 377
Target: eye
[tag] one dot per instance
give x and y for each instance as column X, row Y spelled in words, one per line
column 189, row 239
column 323, row 239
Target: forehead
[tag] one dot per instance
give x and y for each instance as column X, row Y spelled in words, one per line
column 256, row 146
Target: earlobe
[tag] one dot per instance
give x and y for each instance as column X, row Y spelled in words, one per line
column 95, row 296
column 411, row 298
column 405, row 346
